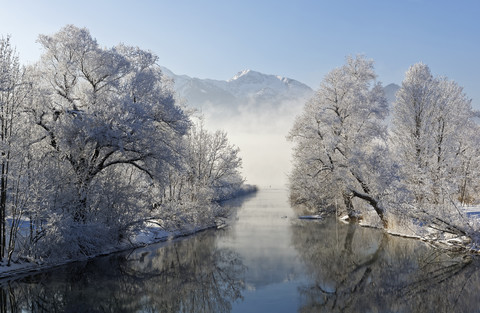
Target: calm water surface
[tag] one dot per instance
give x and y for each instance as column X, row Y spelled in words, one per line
column 266, row 261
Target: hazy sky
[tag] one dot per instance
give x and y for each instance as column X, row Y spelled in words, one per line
column 302, row 40
column 298, row 39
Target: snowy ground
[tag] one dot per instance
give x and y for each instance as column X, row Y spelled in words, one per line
column 151, row 234
column 430, row 235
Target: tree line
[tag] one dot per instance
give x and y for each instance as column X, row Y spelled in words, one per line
column 415, row 171
column 94, row 142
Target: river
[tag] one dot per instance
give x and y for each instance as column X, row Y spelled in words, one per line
column 265, row 261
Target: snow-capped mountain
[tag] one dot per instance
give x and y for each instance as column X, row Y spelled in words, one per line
column 246, row 88
column 261, row 85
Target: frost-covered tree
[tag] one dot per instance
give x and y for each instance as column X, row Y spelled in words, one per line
column 210, row 168
column 339, row 140
column 107, row 125
column 434, row 139
column 432, row 123
column 14, row 90
column 469, row 166
column 104, row 109
column 210, row 173
column 213, row 163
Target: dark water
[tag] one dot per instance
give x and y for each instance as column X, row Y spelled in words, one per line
column 267, row 261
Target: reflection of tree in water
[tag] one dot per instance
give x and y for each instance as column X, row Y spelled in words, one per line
column 191, row 275
column 357, row 269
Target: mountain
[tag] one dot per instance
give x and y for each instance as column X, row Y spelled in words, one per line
column 263, row 87
column 245, row 89
column 390, row 91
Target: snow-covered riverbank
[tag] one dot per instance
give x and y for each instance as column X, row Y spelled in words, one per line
column 152, row 231
column 463, row 243
column 151, row 234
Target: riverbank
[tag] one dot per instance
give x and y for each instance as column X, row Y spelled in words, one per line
column 432, row 236
column 152, row 234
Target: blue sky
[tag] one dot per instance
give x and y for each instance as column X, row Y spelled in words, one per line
column 302, row 40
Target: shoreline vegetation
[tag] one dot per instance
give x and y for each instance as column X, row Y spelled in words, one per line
column 449, row 245
column 151, row 234
column 453, row 244
column 407, row 169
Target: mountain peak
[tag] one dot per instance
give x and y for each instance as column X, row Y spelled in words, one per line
column 254, row 77
column 242, row 73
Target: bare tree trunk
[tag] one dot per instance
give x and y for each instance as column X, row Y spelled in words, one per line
column 3, row 210
column 347, row 200
column 463, row 186
column 80, row 214
column 371, row 200
column 374, row 203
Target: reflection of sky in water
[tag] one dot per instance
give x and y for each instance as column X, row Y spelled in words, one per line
column 276, row 297
column 262, row 238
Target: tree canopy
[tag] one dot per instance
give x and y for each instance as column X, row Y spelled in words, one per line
column 416, row 171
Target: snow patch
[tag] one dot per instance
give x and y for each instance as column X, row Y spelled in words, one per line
column 311, row 217
column 239, row 74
